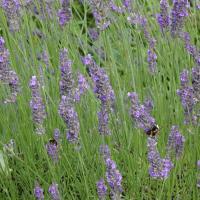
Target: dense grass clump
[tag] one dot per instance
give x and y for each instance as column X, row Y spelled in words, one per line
column 99, row 99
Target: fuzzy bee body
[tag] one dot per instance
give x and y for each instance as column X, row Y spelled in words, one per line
column 153, row 131
column 53, row 141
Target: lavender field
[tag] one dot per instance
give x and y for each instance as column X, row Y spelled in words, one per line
column 99, row 99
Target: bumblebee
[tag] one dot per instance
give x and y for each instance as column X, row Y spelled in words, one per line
column 153, row 131
column 53, row 141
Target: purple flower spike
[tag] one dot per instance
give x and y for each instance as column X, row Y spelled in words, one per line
column 191, row 49
column 37, row 106
column 8, row 76
column 127, row 4
column 38, row 192
column 178, row 15
column 70, row 116
column 66, row 81
column 152, row 60
column 100, row 11
column 159, row 168
column 52, row 149
column 151, row 54
column 187, row 96
column 196, row 82
column 12, row 11
column 83, row 86
column 53, row 191
column 114, row 179
column 140, row 114
column 116, row 8
column 105, row 152
column 65, row 13
column 103, row 119
column 56, row 135
column 93, row 33
column 164, row 18
column 103, row 91
column 101, row 189
column 148, row 104
column 175, row 143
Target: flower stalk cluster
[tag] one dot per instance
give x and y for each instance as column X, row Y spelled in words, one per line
column 37, row 105
column 159, row 168
column 178, row 14
column 164, row 18
column 70, row 117
column 175, row 143
column 8, row 76
column 69, row 95
column 187, row 96
column 100, row 11
column 140, row 113
column 103, row 91
column 151, row 53
column 38, row 192
column 113, row 177
column 53, row 191
column 65, row 13
column 12, row 12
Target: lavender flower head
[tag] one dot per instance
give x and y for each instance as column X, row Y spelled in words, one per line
column 105, row 152
column 65, row 13
column 164, row 18
column 103, row 91
column 93, row 33
column 66, row 81
column 187, row 97
column 37, row 106
column 102, row 87
column 127, row 4
column 115, row 8
column 100, row 11
column 56, row 135
column 83, row 86
column 178, row 14
column 12, row 11
column 198, row 177
column 148, row 104
column 101, row 189
column 175, row 143
column 8, row 76
column 52, row 149
column 152, row 60
column 159, row 168
column 53, row 191
column 191, row 49
column 151, row 54
column 196, row 82
column 140, row 114
column 114, row 179
column 70, row 116
column 38, row 192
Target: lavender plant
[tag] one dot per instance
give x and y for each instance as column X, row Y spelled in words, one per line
column 164, row 17
column 53, row 191
column 175, row 144
column 103, row 91
column 37, row 106
column 70, row 117
column 178, row 14
column 38, row 192
column 64, row 14
column 187, row 97
column 8, row 76
column 12, row 12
